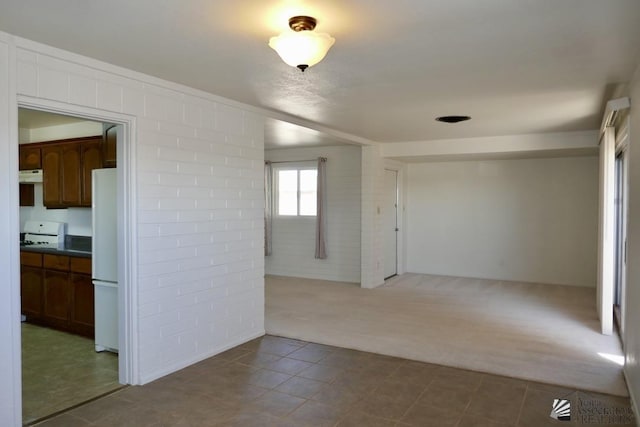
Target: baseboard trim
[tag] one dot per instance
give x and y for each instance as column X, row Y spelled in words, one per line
column 632, row 397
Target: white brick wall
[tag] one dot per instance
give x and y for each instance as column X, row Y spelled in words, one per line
column 200, row 203
column 372, row 263
column 294, row 238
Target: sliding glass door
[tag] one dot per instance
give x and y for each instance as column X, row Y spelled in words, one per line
column 620, row 236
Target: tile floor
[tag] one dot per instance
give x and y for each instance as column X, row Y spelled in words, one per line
column 274, row 381
column 61, row 370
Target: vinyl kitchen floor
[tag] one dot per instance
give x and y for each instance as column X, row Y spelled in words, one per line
column 61, row 370
column 273, row 381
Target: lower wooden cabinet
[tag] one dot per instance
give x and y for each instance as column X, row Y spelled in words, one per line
column 57, row 295
column 31, row 291
column 57, row 292
column 82, row 313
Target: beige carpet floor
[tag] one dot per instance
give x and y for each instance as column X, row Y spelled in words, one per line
column 532, row 331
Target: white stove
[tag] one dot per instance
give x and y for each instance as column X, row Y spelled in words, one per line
column 44, row 234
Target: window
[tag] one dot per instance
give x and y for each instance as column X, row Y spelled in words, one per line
column 296, row 191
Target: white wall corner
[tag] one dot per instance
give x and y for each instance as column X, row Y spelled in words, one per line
column 372, row 261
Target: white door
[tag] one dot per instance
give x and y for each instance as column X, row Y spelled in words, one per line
column 390, row 223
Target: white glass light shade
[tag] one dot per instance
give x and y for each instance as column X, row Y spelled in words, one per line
column 302, row 47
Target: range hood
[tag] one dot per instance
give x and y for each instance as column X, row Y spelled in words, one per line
column 30, row 176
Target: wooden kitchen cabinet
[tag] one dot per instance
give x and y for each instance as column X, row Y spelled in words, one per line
column 27, row 195
column 57, row 292
column 71, row 182
column 31, row 292
column 109, row 145
column 82, row 300
column 51, row 176
column 91, row 158
column 57, row 298
column 81, row 317
column 31, row 285
column 67, row 167
column 56, row 262
column 30, row 157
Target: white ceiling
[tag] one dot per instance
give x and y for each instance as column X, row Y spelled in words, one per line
column 515, row 66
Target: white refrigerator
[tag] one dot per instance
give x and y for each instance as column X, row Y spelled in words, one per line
column 104, row 257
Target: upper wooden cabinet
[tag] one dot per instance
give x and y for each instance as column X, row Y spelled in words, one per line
column 109, row 147
column 52, row 175
column 90, row 159
column 30, row 157
column 66, row 168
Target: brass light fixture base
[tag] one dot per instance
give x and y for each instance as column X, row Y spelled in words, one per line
column 302, row 23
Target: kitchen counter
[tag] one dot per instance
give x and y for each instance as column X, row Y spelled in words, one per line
column 59, row 251
column 77, row 246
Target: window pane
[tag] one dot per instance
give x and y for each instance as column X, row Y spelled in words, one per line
column 287, row 192
column 308, row 203
column 308, row 180
column 308, row 184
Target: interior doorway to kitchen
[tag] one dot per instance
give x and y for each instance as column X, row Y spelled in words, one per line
column 390, row 223
column 69, row 305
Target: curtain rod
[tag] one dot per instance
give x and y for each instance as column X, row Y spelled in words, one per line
column 295, row 161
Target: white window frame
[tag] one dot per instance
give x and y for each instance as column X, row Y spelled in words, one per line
column 276, row 184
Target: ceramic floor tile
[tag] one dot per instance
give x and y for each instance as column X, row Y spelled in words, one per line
column 498, row 401
column 321, row 373
column 276, row 403
column 333, row 387
column 315, row 414
column 301, row 387
column 309, row 354
column 431, row 416
column 288, row 366
column 358, row 419
column 267, row 379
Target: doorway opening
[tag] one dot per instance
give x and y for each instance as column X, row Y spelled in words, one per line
column 390, row 223
column 70, row 330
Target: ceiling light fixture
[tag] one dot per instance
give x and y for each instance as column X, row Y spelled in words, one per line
column 453, row 119
column 302, row 47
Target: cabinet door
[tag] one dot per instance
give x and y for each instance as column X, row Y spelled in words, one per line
column 109, row 148
column 27, row 195
column 30, row 157
column 31, row 292
column 51, row 175
column 57, row 297
column 71, row 186
column 91, row 158
column 82, row 312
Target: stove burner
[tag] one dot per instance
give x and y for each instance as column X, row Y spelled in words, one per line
column 34, row 243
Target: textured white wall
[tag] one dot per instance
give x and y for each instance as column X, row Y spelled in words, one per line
column 632, row 307
column 294, row 237
column 199, row 175
column 529, row 220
